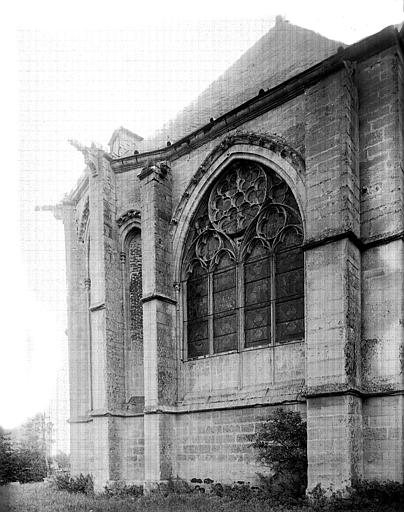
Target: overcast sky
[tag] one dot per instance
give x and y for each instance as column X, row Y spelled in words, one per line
column 79, row 70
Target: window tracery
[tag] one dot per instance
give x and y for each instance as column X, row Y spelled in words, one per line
column 243, row 265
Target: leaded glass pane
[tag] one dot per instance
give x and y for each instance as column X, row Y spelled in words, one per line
column 257, row 296
column 197, row 312
column 257, row 325
column 225, row 343
column 289, row 331
column 225, row 324
column 224, row 291
column 198, row 303
column 198, row 348
column 289, row 311
column 225, row 333
column 224, row 308
column 289, row 283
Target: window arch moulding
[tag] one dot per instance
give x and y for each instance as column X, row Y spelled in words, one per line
column 126, row 222
column 270, row 150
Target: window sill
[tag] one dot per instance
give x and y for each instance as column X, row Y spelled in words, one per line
column 245, row 349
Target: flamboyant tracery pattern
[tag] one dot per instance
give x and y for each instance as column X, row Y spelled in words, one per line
column 243, row 265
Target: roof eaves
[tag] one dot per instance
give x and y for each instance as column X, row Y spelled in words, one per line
column 264, row 101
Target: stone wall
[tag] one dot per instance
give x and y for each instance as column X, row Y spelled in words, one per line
column 380, row 85
column 216, row 444
column 383, row 433
column 200, row 415
column 131, row 446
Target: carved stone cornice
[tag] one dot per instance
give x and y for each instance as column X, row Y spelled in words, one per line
column 341, row 389
column 156, row 170
column 274, row 143
column 91, row 155
column 128, row 216
column 158, row 296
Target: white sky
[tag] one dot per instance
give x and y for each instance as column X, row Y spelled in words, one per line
column 79, row 70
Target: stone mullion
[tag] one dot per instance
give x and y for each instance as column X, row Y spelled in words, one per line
column 184, row 315
column 272, row 308
column 272, row 283
column 240, row 318
column 240, row 305
column 210, row 313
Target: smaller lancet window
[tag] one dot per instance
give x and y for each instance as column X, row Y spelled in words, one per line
column 243, row 266
column 134, row 316
column 135, row 287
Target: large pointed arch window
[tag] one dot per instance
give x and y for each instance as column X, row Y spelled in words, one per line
column 243, row 266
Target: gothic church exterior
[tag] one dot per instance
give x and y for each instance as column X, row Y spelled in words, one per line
column 256, row 260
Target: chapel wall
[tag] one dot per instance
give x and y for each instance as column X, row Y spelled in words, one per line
column 127, row 191
column 130, row 432
column 287, row 120
column 216, row 444
column 380, row 85
column 254, row 371
column 349, row 128
column 383, row 427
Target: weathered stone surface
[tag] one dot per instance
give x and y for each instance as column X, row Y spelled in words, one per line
column 141, row 410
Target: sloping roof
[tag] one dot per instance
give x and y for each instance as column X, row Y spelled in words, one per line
column 283, row 52
column 124, row 130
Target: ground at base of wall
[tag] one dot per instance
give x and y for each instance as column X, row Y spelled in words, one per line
column 41, row 497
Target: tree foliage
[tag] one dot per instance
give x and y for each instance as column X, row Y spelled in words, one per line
column 30, row 465
column 7, row 459
column 24, row 452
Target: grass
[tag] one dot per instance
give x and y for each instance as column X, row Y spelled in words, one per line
column 41, row 497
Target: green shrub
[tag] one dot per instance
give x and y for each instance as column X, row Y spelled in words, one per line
column 283, row 488
column 173, row 486
column 237, row 491
column 281, row 443
column 369, row 496
column 79, row 484
column 30, row 465
column 178, row 486
column 122, row 490
column 387, row 492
